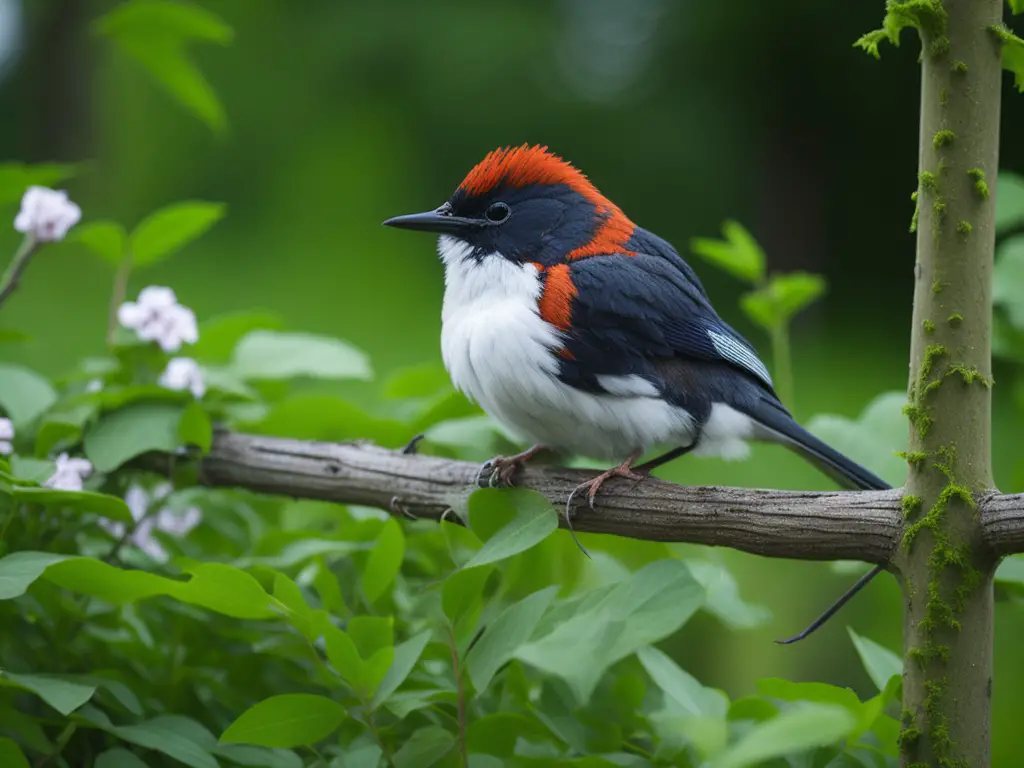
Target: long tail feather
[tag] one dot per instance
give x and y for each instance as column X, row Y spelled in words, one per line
column 840, row 468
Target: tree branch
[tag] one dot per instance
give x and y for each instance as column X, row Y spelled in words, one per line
column 806, row 525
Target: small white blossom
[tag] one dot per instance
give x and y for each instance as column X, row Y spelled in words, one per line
column 139, row 500
column 6, row 436
column 183, row 373
column 157, row 316
column 46, row 214
column 94, row 385
column 69, row 474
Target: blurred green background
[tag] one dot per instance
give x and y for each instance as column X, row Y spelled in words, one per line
column 341, row 114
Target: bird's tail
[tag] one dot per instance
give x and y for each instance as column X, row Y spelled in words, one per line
column 782, row 428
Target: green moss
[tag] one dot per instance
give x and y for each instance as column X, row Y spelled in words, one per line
column 943, row 96
column 964, row 227
column 911, row 505
column 908, row 736
column 917, row 212
column 928, row 653
column 955, row 319
column 943, row 138
column 939, row 47
column 959, row 67
column 929, row 326
column 919, row 417
column 1003, row 34
column 970, row 375
column 936, row 286
column 927, row 180
column 980, row 185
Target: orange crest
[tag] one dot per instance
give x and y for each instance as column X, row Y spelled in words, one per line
column 525, row 165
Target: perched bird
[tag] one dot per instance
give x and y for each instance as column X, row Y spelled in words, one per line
column 585, row 334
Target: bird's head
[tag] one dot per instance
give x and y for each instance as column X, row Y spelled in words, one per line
column 526, row 205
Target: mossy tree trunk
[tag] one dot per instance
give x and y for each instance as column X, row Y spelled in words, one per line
column 945, row 568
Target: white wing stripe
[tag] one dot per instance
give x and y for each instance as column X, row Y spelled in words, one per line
column 732, row 350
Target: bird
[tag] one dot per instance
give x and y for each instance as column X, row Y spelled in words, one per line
column 584, row 334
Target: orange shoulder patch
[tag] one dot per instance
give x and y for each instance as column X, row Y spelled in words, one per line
column 556, row 300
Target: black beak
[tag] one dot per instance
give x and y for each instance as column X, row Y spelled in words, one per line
column 439, row 220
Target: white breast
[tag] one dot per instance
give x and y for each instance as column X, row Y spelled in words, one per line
column 498, row 351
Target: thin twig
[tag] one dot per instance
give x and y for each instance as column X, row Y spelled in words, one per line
column 117, row 295
column 461, row 696
column 18, row 264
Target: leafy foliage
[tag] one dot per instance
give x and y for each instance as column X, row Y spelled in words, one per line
column 157, row 33
column 289, row 633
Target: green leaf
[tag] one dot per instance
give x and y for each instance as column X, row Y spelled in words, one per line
column 224, row 589
column 364, row 675
column 534, row 521
column 159, row 734
column 13, row 336
column 118, row 757
column 684, row 689
column 16, row 178
column 462, row 591
column 497, row 733
column 784, row 296
column 219, row 335
column 11, row 755
column 24, row 394
column 104, row 238
column 167, row 230
column 405, row 658
column 1016, row 6
column 723, row 597
column 288, row 720
column 881, row 663
column 246, row 754
column 263, row 354
column 873, row 438
column 792, row 732
column 1009, row 201
column 110, row 507
column 1013, row 55
column 130, row 431
column 195, row 428
column 157, row 34
column 19, row 569
column 1008, row 279
column 216, row 586
column 384, row 561
column 424, row 748
column 739, row 254
column 499, row 642
column 299, row 613
column 370, row 633
column 63, row 695
column 578, row 639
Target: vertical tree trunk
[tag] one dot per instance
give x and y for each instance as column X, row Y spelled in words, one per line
column 945, row 567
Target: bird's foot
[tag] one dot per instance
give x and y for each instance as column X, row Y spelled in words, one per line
column 592, row 486
column 501, row 469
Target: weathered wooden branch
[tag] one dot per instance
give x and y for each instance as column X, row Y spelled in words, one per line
column 807, row 525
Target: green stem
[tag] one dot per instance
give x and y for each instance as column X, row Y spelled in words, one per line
column 782, row 362
column 117, row 294
column 461, row 696
column 18, row 264
column 58, row 747
column 944, row 565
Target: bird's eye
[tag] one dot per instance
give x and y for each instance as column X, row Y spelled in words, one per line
column 497, row 213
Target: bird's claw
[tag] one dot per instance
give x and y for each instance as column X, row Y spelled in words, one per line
column 413, row 445
column 592, row 486
column 501, row 470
